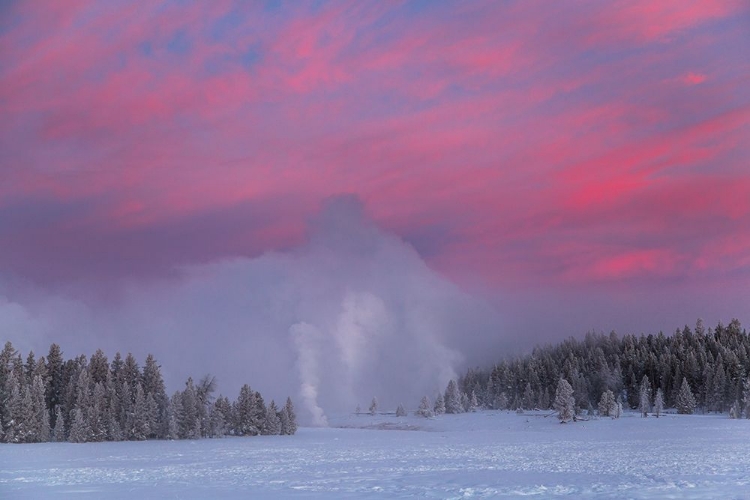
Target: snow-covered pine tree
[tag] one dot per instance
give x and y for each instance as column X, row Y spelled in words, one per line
column 658, row 403
column 452, row 398
column 153, row 420
column 374, row 406
column 217, row 421
column 685, row 400
column 15, row 423
column 735, row 411
column 79, row 429
column 245, row 408
column 204, row 392
column 400, row 411
column 58, row 434
column 358, row 410
column 272, row 424
column 564, row 403
column 473, row 403
column 153, row 385
column 464, row 402
column 174, row 416
column 138, row 429
column 607, row 404
column 644, row 398
column 259, row 412
column 289, row 406
column 528, row 397
column 189, row 423
column 439, row 407
column 284, row 421
column 54, row 389
column 746, row 395
column 41, row 429
column 424, row 409
column 96, row 413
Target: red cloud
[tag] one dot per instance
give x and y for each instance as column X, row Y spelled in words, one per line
column 542, row 143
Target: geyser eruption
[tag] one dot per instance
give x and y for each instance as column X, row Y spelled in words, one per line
column 351, row 314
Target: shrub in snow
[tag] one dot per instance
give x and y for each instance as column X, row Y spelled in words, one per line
column 400, row 411
column 564, row 403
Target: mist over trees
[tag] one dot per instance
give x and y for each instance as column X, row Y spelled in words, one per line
column 91, row 399
column 693, row 369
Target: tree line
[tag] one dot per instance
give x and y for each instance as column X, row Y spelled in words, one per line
column 693, row 369
column 91, row 399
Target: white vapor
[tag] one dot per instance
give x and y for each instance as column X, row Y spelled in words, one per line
column 307, row 340
column 351, row 314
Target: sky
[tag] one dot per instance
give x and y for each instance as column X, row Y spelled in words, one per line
column 553, row 168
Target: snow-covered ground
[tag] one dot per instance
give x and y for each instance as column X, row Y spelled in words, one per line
column 480, row 455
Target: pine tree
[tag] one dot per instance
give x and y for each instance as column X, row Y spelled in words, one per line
column 6, row 357
column 284, row 422
column 685, row 399
column 272, row 424
column 564, row 403
column 189, row 422
column 439, row 407
column 153, row 385
column 735, row 411
column 658, row 402
column 452, row 398
column 292, row 429
column 15, row 414
column 97, row 413
column 400, row 411
column 79, row 429
column 174, row 416
column 528, row 397
column 58, row 434
column 218, row 419
column 473, row 403
column 424, row 409
column 464, row 402
column 98, row 367
column 374, row 406
column 137, row 428
column 607, row 404
column 40, row 430
column 644, row 398
column 746, row 396
column 245, row 410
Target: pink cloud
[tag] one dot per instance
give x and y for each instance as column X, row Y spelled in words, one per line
column 544, row 144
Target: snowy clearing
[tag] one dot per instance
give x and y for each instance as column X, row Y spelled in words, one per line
column 480, row 455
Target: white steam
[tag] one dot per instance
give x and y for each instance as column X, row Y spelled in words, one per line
column 353, row 313
column 307, row 339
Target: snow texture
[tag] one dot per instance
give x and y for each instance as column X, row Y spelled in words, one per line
column 476, row 455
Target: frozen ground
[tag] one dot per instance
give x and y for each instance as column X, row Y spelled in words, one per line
column 481, row 455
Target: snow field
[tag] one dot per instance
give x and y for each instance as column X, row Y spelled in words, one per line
column 479, row 455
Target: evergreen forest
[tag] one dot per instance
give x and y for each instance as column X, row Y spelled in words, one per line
column 91, row 399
